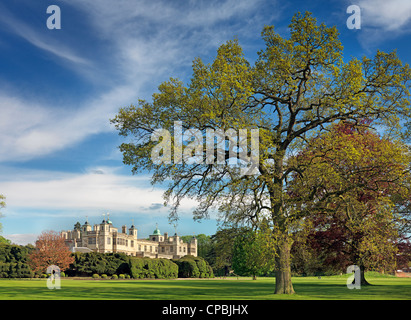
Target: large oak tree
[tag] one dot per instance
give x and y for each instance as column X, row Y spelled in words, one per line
column 297, row 87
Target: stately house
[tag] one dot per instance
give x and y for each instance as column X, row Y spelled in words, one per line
column 105, row 238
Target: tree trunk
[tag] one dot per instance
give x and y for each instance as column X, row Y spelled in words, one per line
column 362, row 274
column 283, row 284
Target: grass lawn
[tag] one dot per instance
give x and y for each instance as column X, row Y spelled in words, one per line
column 333, row 287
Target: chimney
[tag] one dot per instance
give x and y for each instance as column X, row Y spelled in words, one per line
column 124, row 229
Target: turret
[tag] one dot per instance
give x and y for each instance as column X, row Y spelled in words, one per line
column 133, row 231
column 156, row 236
column 86, row 227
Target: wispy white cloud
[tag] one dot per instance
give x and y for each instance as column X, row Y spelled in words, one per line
column 99, row 189
column 383, row 20
column 146, row 42
column 39, row 40
column 32, row 129
column 22, row 238
column 390, row 16
column 154, row 38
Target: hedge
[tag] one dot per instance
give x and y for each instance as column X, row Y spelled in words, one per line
column 15, row 270
column 193, row 267
column 152, row 268
column 13, row 261
column 87, row 264
column 13, row 264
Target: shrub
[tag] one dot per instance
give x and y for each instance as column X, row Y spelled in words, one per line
column 193, row 267
column 96, row 276
column 13, row 261
column 95, row 262
column 114, row 276
column 104, row 276
column 152, row 268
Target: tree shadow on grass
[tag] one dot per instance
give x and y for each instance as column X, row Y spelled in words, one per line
column 262, row 289
column 342, row 292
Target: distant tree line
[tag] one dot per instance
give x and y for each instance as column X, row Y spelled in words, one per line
column 245, row 252
column 15, row 262
column 231, row 251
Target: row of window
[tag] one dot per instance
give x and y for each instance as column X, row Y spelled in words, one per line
column 124, row 242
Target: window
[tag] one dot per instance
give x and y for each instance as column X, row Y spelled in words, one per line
column 122, row 242
column 108, row 240
column 162, row 249
column 139, row 247
column 171, row 249
column 132, row 243
column 179, row 249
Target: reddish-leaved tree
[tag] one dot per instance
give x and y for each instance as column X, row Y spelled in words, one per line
column 50, row 250
column 350, row 184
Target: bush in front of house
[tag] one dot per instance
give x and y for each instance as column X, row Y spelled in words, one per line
column 158, row 268
column 193, row 267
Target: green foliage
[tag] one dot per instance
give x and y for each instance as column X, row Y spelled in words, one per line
column 252, row 254
column 152, row 268
column 298, row 86
column 94, row 262
column 77, row 226
column 187, row 268
column 204, row 244
column 15, row 270
column 4, row 240
column 193, row 267
column 13, row 261
column 346, row 179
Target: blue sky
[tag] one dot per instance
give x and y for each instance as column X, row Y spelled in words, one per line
column 59, row 160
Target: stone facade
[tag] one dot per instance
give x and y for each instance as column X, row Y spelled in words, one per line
column 105, row 238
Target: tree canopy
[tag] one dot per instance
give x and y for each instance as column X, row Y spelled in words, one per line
column 296, row 89
column 353, row 178
column 50, row 250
